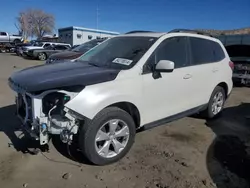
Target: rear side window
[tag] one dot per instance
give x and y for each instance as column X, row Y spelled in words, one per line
column 205, row 51
column 61, row 47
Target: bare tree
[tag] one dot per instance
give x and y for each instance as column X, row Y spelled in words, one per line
column 22, row 25
column 36, row 23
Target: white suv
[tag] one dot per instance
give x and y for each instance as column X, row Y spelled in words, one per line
column 132, row 81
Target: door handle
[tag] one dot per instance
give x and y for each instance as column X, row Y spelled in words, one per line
column 187, row 76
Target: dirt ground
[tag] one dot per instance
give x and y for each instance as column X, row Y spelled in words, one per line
column 188, row 153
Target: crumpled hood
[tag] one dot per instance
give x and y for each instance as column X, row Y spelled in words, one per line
column 66, row 55
column 59, row 75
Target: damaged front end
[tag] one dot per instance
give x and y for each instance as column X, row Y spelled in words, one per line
column 44, row 114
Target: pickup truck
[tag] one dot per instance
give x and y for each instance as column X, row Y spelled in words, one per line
column 7, row 38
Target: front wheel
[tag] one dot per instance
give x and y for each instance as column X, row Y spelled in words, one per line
column 216, row 103
column 42, row 56
column 108, row 137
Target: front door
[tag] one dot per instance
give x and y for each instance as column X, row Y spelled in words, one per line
column 170, row 93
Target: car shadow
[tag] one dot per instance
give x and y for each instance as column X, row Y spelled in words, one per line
column 228, row 157
column 21, row 142
column 11, row 127
column 27, row 57
column 71, row 151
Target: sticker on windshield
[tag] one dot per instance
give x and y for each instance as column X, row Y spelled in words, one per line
column 122, row 61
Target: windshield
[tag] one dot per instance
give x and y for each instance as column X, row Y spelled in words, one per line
column 87, row 46
column 119, row 52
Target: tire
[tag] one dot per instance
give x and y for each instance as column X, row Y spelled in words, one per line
column 42, row 56
column 209, row 113
column 88, row 135
column 17, row 41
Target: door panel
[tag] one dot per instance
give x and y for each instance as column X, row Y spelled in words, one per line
column 166, row 96
column 170, row 94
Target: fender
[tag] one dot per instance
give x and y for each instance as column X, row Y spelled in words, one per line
column 92, row 99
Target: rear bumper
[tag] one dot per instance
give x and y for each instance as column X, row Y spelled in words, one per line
column 241, row 76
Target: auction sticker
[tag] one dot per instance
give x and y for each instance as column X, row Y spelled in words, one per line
column 122, row 61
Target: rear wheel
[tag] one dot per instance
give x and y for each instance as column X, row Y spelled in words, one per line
column 108, row 137
column 42, row 56
column 17, row 41
column 216, row 103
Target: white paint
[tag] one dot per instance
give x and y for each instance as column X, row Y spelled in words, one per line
column 175, row 92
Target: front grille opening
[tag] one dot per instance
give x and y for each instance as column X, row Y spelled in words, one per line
column 21, row 108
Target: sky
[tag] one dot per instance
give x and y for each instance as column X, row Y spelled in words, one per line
column 127, row 15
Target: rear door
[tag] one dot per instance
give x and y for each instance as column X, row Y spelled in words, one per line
column 206, row 61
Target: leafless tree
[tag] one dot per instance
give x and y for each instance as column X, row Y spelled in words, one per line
column 22, row 25
column 36, row 23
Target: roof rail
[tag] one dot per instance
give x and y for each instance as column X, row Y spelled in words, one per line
column 190, row 31
column 138, row 31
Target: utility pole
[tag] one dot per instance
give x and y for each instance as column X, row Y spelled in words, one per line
column 97, row 17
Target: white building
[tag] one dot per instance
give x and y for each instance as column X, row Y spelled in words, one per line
column 78, row 35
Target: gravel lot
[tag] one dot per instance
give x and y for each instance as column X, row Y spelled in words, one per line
column 186, row 153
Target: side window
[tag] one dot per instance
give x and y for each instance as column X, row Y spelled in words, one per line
column 46, row 45
column 173, row 49
column 218, row 52
column 61, row 47
column 3, row 34
column 202, row 51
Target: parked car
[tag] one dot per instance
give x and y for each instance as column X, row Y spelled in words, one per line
column 240, row 56
column 7, row 38
column 43, row 54
column 40, row 45
column 129, row 82
column 18, row 47
column 75, row 52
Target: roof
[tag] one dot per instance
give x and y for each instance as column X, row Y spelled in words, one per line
column 146, row 34
column 88, row 29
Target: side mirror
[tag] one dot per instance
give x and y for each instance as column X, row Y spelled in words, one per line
column 164, row 66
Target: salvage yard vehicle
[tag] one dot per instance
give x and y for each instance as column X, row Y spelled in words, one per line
column 75, row 52
column 240, row 55
column 43, row 54
column 7, row 38
column 129, row 82
column 18, row 47
column 40, row 45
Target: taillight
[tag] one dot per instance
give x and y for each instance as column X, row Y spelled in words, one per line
column 231, row 65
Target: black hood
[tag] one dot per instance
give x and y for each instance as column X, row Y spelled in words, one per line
column 60, row 75
column 66, row 55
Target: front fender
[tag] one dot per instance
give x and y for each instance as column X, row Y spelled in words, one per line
column 92, row 100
